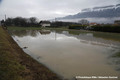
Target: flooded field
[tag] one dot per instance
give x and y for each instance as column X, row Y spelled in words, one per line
column 73, row 53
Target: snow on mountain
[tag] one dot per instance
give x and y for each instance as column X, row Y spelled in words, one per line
column 110, row 13
column 101, row 8
column 104, row 11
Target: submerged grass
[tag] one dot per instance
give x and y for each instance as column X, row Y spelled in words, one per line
column 23, row 28
column 17, row 65
column 103, row 35
column 117, row 54
column 34, row 28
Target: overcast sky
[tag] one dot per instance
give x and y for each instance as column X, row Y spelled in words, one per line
column 48, row 9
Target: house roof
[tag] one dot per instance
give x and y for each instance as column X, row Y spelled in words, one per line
column 45, row 22
column 93, row 23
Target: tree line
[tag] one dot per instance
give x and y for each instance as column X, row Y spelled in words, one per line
column 22, row 22
column 33, row 22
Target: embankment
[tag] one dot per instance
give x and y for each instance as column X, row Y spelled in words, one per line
column 17, row 65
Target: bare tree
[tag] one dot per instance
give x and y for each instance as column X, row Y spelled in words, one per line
column 33, row 20
column 83, row 22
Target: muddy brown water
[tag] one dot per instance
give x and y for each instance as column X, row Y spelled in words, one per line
column 73, row 53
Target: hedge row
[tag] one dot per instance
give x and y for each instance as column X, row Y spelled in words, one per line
column 106, row 28
column 102, row 28
column 77, row 27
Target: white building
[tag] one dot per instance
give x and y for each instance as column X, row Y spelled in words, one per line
column 117, row 22
column 45, row 23
column 92, row 24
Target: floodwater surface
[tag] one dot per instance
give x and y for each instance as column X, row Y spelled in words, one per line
column 73, row 53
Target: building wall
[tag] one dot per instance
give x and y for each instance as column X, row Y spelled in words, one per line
column 117, row 22
column 44, row 25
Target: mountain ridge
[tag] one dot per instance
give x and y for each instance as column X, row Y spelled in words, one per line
column 109, row 11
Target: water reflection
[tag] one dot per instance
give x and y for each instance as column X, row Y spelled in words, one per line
column 44, row 32
column 95, row 38
column 107, row 36
column 23, row 33
column 72, row 54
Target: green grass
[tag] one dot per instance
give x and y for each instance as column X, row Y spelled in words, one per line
column 34, row 28
column 39, row 28
column 117, row 54
column 10, row 69
column 23, row 28
column 17, row 65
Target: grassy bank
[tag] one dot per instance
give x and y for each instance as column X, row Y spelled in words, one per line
column 23, row 28
column 117, row 54
column 34, row 28
column 39, row 28
column 17, row 65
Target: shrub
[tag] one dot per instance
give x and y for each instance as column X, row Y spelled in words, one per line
column 77, row 26
column 106, row 28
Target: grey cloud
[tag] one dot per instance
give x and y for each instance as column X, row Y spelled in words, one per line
column 0, row 0
column 48, row 9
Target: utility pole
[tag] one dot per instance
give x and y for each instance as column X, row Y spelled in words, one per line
column 55, row 19
column 5, row 17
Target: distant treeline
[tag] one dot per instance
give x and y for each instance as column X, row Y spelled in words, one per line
column 106, row 28
column 22, row 22
column 33, row 22
column 62, row 24
column 102, row 28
